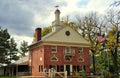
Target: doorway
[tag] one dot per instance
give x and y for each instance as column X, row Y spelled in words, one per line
column 68, row 69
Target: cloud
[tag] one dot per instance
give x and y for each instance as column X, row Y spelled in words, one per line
column 20, row 39
column 21, row 17
column 15, row 18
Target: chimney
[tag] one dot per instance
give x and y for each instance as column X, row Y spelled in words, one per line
column 37, row 34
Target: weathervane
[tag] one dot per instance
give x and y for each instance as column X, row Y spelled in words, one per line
column 57, row 6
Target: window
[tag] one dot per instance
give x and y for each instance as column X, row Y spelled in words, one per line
column 68, row 58
column 40, row 68
column 67, row 33
column 40, row 48
column 67, row 50
column 54, row 49
column 77, row 68
column 80, row 50
column 53, row 67
column 81, row 59
column 61, row 68
column 74, row 68
column 54, row 58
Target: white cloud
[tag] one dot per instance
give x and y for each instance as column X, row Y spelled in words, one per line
column 20, row 39
column 98, row 5
column 35, row 13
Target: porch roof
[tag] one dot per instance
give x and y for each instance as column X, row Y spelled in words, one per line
column 22, row 61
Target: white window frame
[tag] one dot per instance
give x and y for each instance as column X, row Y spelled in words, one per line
column 81, row 58
column 80, row 50
column 70, row 59
column 40, row 68
column 55, row 58
column 67, row 49
column 54, row 48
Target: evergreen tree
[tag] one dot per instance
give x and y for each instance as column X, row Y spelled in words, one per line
column 24, row 48
column 12, row 51
column 8, row 50
column 4, row 45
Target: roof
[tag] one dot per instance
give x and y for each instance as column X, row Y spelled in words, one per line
column 22, row 61
column 57, row 11
column 60, row 37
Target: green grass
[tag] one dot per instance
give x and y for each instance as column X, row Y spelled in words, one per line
column 9, row 77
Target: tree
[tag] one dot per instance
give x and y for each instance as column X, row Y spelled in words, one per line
column 114, row 22
column 89, row 26
column 4, row 45
column 24, row 48
column 67, row 22
column 8, row 50
column 46, row 30
column 12, row 53
column 116, row 3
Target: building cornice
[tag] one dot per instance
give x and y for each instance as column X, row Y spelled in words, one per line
column 65, row 44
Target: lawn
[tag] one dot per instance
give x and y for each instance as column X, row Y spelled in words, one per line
column 9, row 77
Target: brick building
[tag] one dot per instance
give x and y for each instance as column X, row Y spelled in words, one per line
column 63, row 49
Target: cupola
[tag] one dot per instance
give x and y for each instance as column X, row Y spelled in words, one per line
column 56, row 24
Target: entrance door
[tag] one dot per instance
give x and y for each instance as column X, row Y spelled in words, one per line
column 68, row 69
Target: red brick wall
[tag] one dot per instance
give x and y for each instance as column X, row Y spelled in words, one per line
column 60, row 56
column 46, row 55
column 36, row 54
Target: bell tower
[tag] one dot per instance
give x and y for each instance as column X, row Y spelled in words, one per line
column 57, row 16
column 56, row 23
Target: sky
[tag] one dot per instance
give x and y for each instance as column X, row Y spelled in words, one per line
column 21, row 17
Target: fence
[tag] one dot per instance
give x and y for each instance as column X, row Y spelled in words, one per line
column 52, row 73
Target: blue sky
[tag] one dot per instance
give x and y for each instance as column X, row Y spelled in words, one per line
column 82, row 3
column 21, row 17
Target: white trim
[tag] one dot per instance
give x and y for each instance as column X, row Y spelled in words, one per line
column 54, row 57
column 80, row 50
column 71, row 69
column 81, row 58
column 55, row 48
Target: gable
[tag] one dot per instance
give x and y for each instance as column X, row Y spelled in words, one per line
column 66, row 35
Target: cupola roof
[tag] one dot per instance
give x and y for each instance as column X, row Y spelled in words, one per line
column 57, row 11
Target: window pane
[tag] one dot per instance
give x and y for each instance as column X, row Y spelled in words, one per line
column 61, row 68
column 54, row 48
column 40, row 68
column 80, row 50
column 67, row 50
column 74, row 68
column 54, row 59
column 81, row 59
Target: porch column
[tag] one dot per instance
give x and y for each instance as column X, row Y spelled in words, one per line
column 71, row 70
column 65, row 68
column 16, row 70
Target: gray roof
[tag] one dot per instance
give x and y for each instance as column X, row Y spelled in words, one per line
column 21, row 60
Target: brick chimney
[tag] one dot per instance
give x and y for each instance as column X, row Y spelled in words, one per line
column 37, row 34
